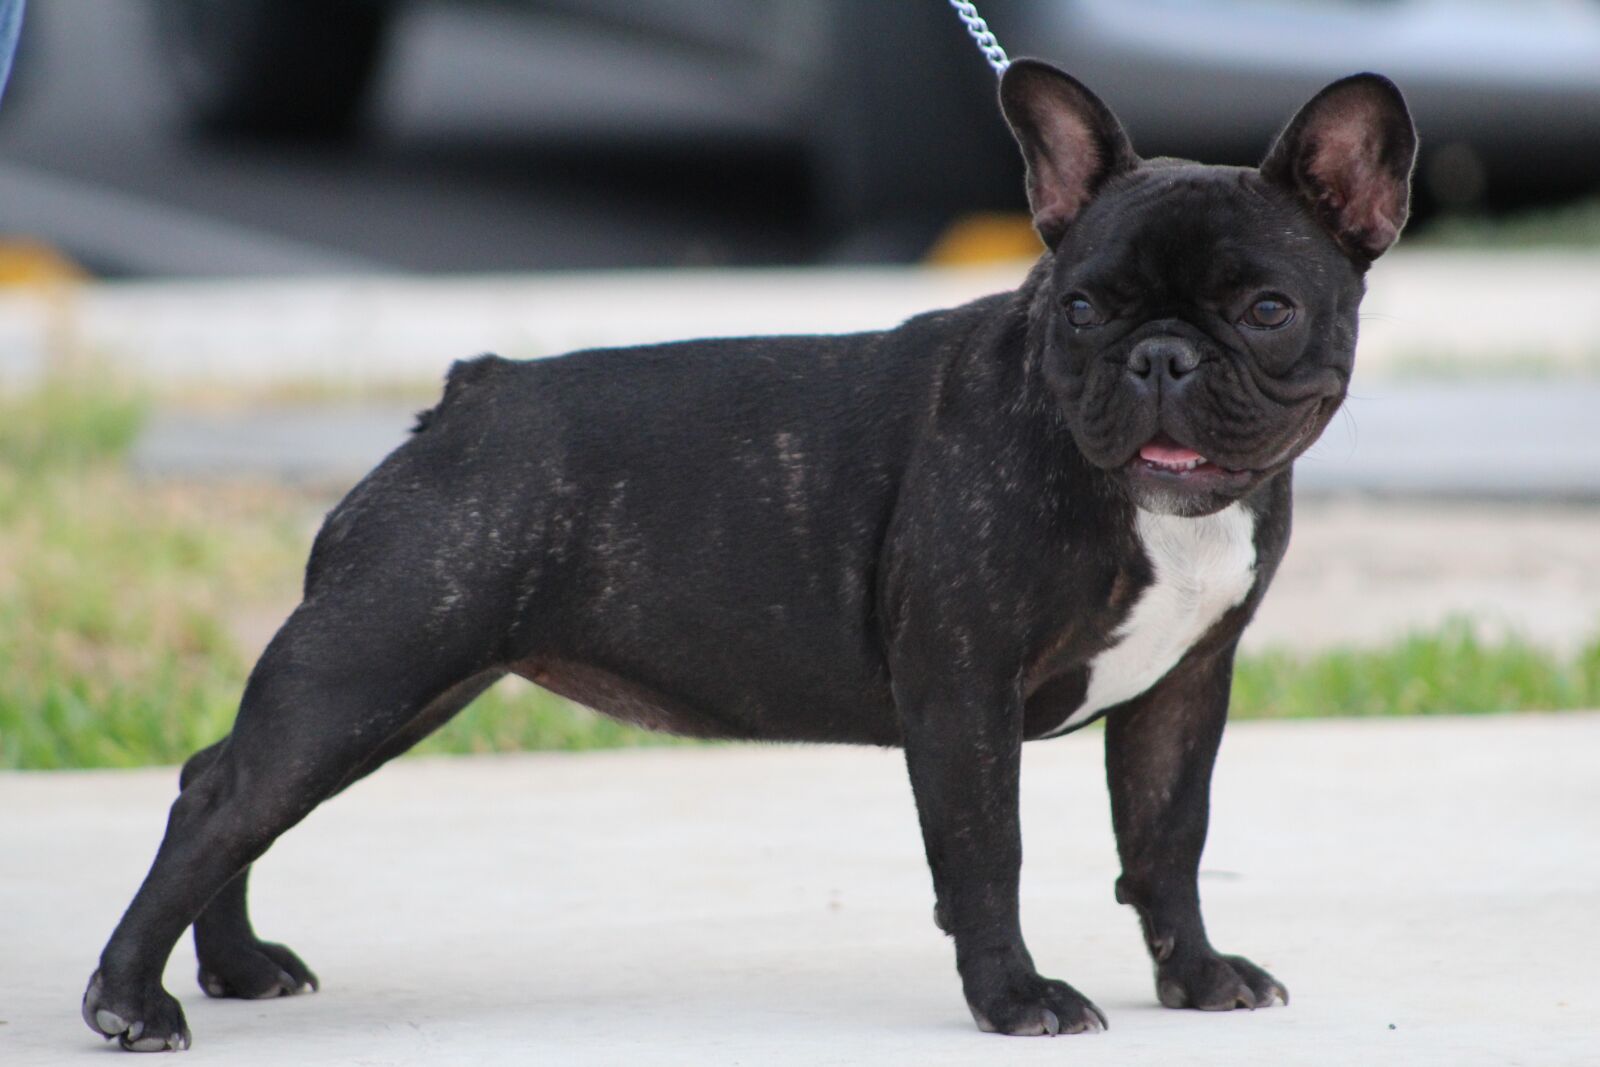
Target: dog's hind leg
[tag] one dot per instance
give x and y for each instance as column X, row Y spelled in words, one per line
column 356, row 675
column 234, row 962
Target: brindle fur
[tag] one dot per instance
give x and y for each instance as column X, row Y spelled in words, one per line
column 920, row 537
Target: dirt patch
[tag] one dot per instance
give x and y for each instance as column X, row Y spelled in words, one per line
column 1363, row 572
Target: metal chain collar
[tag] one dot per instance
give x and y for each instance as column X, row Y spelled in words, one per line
column 979, row 29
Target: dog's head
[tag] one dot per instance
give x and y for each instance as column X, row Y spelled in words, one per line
column 1199, row 323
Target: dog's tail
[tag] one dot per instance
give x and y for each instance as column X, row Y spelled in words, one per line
column 463, row 375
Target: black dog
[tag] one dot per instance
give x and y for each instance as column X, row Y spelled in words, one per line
column 991, row 524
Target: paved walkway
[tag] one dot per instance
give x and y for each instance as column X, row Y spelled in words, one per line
column 1435, row 311
column 1429, row 889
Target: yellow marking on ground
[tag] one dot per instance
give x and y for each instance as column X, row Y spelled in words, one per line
column 26, row 262
column 985, row 237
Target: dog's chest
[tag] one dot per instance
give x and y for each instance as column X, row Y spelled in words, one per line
column 1202, row 568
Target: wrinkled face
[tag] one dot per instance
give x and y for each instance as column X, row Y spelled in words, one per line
column 1201, row 321
column 1203, row 332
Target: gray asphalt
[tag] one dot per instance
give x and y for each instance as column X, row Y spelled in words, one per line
column 1480, row 439
column 1496, row 438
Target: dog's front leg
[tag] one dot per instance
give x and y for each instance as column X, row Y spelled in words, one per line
column 964, row 752
column 1159, row 753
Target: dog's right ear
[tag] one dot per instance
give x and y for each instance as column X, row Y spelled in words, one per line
column 1071, row 141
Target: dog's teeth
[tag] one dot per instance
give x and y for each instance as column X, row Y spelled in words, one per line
column 1180, row 466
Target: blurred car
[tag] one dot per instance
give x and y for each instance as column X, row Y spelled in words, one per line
column 893, row 107
column 1505, row 93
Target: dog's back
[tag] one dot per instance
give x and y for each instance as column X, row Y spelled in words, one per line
column 655, row 526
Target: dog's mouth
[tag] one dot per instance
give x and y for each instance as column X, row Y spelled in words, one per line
column 1165, row 461
column 1161, row 453
column 1165, row 454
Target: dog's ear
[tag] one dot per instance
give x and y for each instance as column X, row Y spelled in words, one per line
column 1071, row 141
column 1348, row 156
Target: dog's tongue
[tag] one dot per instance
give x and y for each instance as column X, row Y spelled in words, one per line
column 1162, row 451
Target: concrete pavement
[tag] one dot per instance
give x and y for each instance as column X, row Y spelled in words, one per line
column 1429, row 890
column 1434, row 311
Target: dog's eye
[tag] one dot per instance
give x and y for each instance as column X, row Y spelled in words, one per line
column 1080, row 312
column 1268, row 313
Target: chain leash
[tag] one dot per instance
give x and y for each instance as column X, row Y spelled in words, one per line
column 981, row 35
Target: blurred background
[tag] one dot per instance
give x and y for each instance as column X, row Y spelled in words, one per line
column 296, row 136
column 240, row 240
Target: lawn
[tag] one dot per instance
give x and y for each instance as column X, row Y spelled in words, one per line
column 121, row 600
column 1574, row 226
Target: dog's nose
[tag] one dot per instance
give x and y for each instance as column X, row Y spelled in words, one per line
column 1168, row 357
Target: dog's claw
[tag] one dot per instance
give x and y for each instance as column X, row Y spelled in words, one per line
column 151, row 1023
column 1028, row 1005
column 1218, row 983
column 254, row 971
column 109, row 1023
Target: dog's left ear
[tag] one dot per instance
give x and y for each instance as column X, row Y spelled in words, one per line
column 1071, row 141
column 1348, row 156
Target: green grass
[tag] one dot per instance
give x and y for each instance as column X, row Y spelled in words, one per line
column 121, row 601
column 1573, row 226
column 1447, row 671
column 112, row 594
column 65, row 426
column 119, row 598
column 1446, row 365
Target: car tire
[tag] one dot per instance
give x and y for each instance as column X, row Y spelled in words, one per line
column 908, row 135
column 274, row 67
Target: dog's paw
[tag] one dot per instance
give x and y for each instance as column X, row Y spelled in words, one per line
column 1218, row 983
column 147, row 1021
column 1028, row 1005
column 255, row 971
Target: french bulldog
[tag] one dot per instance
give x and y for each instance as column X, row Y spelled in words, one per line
column 991, row 524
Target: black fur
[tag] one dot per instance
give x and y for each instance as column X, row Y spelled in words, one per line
column 919, row 537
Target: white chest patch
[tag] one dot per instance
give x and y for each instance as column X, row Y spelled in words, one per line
column 1203, row 567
